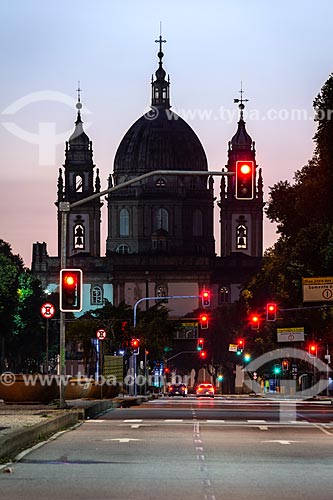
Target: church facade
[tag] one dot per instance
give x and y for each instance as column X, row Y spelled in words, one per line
column 160, row 239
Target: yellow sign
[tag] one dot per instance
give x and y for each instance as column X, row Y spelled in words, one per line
column 291, row 330
column 318, row 289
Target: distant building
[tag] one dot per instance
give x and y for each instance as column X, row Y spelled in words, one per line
column 160, row 238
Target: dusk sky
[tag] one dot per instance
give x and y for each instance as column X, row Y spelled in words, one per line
column 281, row 51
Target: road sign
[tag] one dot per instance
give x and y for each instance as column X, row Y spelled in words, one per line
column 47, row 310
column 318, row 289
column 101, row 334
column 294, row 334
column 233, row 347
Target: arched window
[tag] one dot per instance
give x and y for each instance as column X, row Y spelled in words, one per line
column 123, row 249
column 224, row 295
column 197, row 223
column 241, row 237
column 96, row 295
column 79, row 237
column 160, row 182
column 78, row 183
column 124, row 222
column 161, row 219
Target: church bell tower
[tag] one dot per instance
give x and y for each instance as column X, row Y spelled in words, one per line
column 80, row 181
column 241, row 220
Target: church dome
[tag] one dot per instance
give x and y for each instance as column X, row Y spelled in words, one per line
column 160, row 139
column 165, row 142
column 241, row 138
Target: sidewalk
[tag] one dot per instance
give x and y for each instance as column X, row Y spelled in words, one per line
column 22, row 425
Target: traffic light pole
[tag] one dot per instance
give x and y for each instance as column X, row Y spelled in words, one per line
column 64, row 209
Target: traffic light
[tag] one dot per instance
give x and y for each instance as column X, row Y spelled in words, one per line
column 240, row 346
column 285, row 365
column 247, row 357
column 244, row 180
column 203, row 354
column 277, row 369
column 71, row 281
column 200, row 344
column 271, row 309
column 205, row 298
column 255, row 320
column 313, row 350
column 135, row 345
column 204, row 321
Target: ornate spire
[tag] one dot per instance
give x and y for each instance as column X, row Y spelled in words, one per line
column 160, row 86
column 60, row 186
column 241, row 102
column 241, row 139
column 79, row 137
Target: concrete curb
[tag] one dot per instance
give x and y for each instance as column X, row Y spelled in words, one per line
column 17, row 440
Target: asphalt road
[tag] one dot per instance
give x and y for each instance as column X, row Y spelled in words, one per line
column 185, row 449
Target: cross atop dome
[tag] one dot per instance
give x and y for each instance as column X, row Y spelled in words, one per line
column 160, row 86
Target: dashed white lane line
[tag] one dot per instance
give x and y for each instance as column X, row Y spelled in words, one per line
column 132, row 420
column 173, row 420
column 256, row 421
column 216, row 421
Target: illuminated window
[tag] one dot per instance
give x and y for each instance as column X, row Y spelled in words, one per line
column 96, row 295
column 161, row 291
column 79, row 242
column 160, row 182
column 124, row 222
column 78, row 184
column 241, row 237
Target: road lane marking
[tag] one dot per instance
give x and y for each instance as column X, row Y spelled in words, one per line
column 122, row 440
column 135, row 426
column 130, row 420
column 256, row 421
column 280, row 441
column 263, row 428
column 216, row 421
column 173, row 420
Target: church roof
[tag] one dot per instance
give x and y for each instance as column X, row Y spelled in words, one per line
column 160, row 139
column 241, row 138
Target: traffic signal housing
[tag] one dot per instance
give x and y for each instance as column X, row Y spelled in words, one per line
column 71, row 284
column 240, row 346
column 203, row 321
column 285, row 365
column 205, row 298
column 200, row 344
column 254, row 321
column 244, row 180
column 135, row 345
column 271, row 310
column 313, row 350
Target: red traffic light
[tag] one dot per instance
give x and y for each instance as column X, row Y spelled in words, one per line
column 205, row 298
column 244, row 180
column 135, row 343
column 203, row 354
column 204, row 321
column 255, row 320
column 71, row 284
column 313, row 350
column 200, row 344
column 271, row 310
column 285, row 365
column 240, row 345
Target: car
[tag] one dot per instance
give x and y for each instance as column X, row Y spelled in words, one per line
column 177, row 390
column 205, row 389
